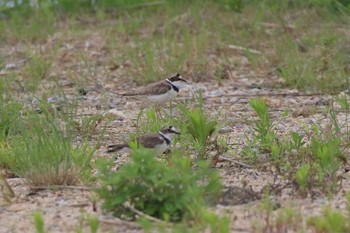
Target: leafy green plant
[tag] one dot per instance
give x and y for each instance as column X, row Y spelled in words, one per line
column 285, row 220
column 311, row 169
column 199, row 126
column 317, row 166
column 39, row 222
column 91, row 221
column 94, row 223
column 291, row 220
column 327, row 154
column 264, row 134
column 207, row 222
column 263, row 126
column 288, row 219
column 43, row 147
column 174, row 192
column 331, row 221
column 302, row 178
column 297, row 140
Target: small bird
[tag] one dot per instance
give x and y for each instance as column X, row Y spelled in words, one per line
column 161, row 92
column 159, row 141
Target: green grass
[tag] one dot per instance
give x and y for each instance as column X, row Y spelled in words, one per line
column 310, row 168
column 291, row 219
column 331, row 221
column 39, row 222
column 264, row 138
column 9, row 117
column 34, row 72
column 200, row 127
column 45, row 147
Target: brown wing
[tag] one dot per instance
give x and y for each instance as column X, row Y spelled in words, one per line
column 157, row 88
column 150, row 140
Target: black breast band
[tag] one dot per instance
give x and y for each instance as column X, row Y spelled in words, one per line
column 172, row 85
column 167, row 140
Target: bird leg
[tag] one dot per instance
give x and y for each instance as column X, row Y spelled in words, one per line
column 171, row 108
column 159, row 114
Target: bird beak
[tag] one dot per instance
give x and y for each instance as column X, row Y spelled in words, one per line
column 175, row 131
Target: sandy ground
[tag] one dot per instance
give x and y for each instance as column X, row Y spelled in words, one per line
column 63, row 210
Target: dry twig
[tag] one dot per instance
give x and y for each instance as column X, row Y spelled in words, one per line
column 146, row 216
column 118, row 222
column 222, row 158
column 265, row 94
column 53, row 187
column 6, row 191
column 244, row 49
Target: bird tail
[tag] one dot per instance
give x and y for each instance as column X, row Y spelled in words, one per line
column 117, row 147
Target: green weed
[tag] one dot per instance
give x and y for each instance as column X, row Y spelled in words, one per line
column 199, row 126
column 288, row 219
column 263, row 126
column 264, row 134
column 314, row 169
column 39, row 222
column 302, row 178
column 311, row 169
column 291, row 220
column 176, row 192
column 43, row 147
column 326, row 155
column 330, row 221
column 297, row 140
column 280, row 220
column 10, row 113
column 94, row 223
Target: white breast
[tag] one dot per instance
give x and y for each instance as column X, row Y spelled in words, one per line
column 161, row 148
column 163, row 98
